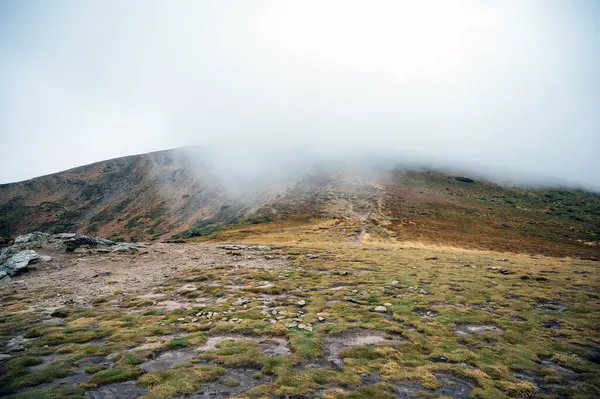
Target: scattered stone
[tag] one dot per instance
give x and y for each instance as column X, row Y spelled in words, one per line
column 353, row 300
column 395, row 282
column 431, row 258
column 387, row 304
column 301, row 303
column 4, row 357
column 301, row 326
column 321, row 319
column 241, row 301
column 272, row 321
column 308, row 328
column 311, row 256
column 291, row 325
column 425, row 313
column 380, row 309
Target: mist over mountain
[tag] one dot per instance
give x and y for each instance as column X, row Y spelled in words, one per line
column 509, row 89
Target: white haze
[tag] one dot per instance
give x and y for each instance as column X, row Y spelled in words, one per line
column 508, row 89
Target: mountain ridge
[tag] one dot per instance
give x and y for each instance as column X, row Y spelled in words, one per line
column 180, row 194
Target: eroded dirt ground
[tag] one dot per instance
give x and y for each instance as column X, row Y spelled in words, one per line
column 327, row 319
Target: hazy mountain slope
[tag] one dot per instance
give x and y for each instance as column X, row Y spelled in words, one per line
column 171, row 193
column 140, row 196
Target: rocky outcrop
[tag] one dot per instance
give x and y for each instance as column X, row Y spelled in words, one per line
column 63, row 242
column 17, row 257
column 16, row 263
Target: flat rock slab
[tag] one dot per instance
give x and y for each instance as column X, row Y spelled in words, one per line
column 453, row 388
column 122, row 390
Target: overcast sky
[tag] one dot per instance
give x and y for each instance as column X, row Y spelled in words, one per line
column 505, row 84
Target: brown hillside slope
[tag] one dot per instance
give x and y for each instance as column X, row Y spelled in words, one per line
column 169, row 193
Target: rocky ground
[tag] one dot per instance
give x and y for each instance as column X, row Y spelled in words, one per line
column 305, row 319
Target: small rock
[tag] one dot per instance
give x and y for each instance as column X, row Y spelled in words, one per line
column 4, row 357
column 272, row 321
column 291, row 325
column 301, row 302
column 308, row 328
column 321, row 319
column 302, row 326
column 380, row 309
column 241, row 301
column 395, row 282
column 353, row 300
column 387, row 304
column 431, row 258
column 422, row 291
column 125, row 248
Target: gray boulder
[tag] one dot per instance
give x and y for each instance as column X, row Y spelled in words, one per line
column 65, row 242
column 16, row 263
column 69, row 244
column 32, row 238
